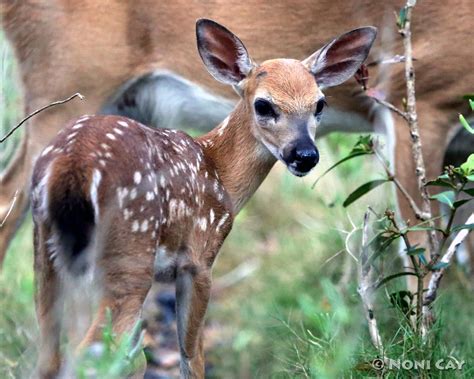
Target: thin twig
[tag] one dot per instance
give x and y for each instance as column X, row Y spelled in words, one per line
column 414, row 130
column 419, row 273
column 392, row 107
column 366, row 287
column 418, row 213
column 38, row 111
column 15, row 196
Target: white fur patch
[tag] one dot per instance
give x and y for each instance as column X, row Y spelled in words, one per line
column 137, row 177
column 96, row 178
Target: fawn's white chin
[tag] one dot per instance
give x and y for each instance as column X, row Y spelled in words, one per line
column 295, row 172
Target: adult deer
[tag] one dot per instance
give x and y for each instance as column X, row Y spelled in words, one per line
column 136, row 58
column 122, row 202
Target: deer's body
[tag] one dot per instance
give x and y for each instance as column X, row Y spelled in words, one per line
column 123, row 203
column 144, row 203
column 98, row 47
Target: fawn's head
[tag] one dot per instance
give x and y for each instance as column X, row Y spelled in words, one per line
column 284, row 96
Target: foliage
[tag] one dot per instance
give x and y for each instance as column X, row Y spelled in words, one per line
column 114, row 356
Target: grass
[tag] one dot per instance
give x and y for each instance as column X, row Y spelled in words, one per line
column 298, row 315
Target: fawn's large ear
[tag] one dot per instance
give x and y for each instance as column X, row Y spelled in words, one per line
column 339, row 60
column 223, row 53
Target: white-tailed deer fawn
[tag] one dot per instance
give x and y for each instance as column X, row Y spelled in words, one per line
column 138, row 59
column 123, row 203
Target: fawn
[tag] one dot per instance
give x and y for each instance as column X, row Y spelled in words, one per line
column 124, row 203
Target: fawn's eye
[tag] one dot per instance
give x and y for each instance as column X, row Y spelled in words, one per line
column 319, row 107
column 264, row 108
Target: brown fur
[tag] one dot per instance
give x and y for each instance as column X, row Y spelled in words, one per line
column 95, row 158
column 98, row 45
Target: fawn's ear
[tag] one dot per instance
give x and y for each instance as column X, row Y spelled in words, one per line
column 223, row 53
column 339, row 60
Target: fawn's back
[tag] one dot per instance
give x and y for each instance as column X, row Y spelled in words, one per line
column 129, row 190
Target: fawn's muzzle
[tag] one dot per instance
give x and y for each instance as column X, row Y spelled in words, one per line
column 301, row 158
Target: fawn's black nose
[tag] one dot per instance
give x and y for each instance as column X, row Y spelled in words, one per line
column 306, row 159
column 301, row 158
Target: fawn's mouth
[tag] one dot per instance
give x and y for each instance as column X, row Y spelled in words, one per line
column 293, row 168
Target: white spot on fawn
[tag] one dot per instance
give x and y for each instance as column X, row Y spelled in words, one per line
column 223, row 126
column 127, row 214
column 118, row 131
column 222, row 221
column 71, row 136
column 135, row 226
column 121, row 194
column 122, row 123
column 110, row 136
column 133, row 193
column 202, row 222
column 96, row 177
column 150, row 196
column 144, row 226
column 47, row 150
column 211, row 216
column 137, row 177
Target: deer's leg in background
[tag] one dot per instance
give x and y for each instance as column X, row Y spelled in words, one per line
column 38, row 132
column 48, row 306
column 13, row 181
column 193, row 289
column 434, row 129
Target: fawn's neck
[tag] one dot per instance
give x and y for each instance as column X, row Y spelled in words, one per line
column 242, row 161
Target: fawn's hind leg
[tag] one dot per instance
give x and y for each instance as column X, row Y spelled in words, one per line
column 48, row 305
column 126, row 276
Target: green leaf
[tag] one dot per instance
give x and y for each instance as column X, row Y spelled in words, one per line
column 379, row 250
column 468, row 166
column 465, row 124
column 468, row 96
column 422, row 259
column 350, row 156
column 458, row 203
column 461, row 227
column 470, row 178
column 471, row 103
column 439, row 265
column 362, row 190
column 417, row 228
column 446, row 197
column 469, row 191
column 414, row 250
column 402, row 300
column 363, row 144
column 393, row 276
column 439, row 182
column 402, row 17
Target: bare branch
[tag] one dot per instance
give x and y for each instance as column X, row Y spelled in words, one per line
column 417, row 154
column 15, row 196
column 392, row 107
column 38, row 111
column 435, row 279
column 366, row 287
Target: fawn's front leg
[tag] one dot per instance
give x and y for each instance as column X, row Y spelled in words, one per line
column 192, row 296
